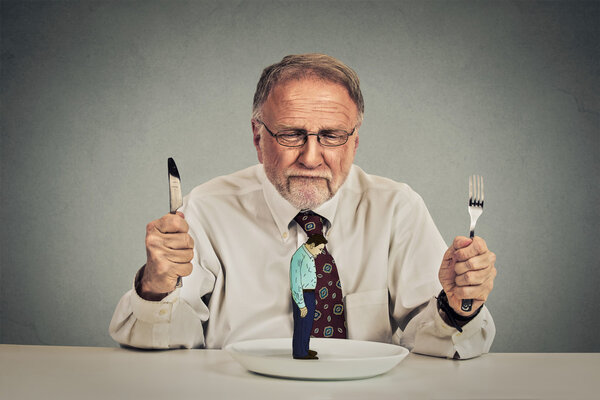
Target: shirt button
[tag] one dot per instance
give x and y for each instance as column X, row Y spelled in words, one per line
column 162, row 312
column 285, row 235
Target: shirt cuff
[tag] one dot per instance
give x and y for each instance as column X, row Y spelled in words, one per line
column 472, row 341
column 153, row 312
column 468, row 343
column 435, row 337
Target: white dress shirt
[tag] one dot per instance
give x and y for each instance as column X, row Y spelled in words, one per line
column 386, row 246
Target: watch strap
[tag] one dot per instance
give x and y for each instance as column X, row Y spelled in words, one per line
column 455, row 320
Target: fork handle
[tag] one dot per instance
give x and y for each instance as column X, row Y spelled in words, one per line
column 467, row 304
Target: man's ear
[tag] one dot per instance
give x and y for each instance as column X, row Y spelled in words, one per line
column 356, row 141
column 256, row 138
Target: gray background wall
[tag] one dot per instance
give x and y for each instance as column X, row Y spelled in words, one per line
column 96, row 96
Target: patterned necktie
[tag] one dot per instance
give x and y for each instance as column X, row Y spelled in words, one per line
column 329, row 318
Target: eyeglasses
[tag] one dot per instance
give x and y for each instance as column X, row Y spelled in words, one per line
column 298, row 137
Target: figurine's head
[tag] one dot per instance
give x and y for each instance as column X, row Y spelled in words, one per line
column 315, row 244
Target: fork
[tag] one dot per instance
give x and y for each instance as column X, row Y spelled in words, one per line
column 475, row 210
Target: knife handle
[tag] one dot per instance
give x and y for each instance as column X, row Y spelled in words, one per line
column 179, row 279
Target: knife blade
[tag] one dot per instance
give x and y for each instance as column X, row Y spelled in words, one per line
column 175, row 198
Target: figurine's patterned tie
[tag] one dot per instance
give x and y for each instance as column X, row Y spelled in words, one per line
column 329, row 318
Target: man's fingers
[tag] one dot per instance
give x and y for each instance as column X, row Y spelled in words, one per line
column 170, row 223
column 177, row 241
column 158, row 243
column 184, row 269
column 473, row 278
column 460, row 242
column 478, row 292
column 162, row 276
column 165, row 268
column 475, row 263
column 475, row 248
column 179, row 256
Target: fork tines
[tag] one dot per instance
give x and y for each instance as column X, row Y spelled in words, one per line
column 475, row 201
column 476, row 191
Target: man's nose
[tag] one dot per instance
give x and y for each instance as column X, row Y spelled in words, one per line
column 311, row 155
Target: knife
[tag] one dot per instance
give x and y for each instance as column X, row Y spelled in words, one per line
column 175, row 198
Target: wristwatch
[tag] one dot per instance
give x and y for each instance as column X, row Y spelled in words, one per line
column 453, row 318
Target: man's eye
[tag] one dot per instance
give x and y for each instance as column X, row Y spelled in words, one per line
column 331, row 134
column 291, row 135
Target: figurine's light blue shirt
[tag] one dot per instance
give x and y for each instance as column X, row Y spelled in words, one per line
column 303, row 274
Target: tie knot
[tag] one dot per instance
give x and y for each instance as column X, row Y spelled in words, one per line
column 310, row 222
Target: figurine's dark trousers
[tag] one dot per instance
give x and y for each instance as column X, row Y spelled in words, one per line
column 303, row 326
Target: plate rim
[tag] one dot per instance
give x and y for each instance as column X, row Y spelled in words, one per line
column 404, row 351
column 393, row 359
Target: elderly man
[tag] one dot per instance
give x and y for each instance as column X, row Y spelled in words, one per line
column 233, row 239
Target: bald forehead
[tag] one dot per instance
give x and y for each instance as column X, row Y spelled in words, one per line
column 288, row 84
column 311, row 97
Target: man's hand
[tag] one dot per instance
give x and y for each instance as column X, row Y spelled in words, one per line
column 303, row 312
column 169, row 250
column 467, row 272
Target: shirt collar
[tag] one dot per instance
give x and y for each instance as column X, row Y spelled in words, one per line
column 283, row 212
column 307, row 252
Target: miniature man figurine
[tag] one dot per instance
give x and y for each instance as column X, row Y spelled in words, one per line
column 303, row 280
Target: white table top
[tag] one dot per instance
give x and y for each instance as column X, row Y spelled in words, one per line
column 53, row 372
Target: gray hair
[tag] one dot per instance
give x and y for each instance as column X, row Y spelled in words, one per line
column 299, row 66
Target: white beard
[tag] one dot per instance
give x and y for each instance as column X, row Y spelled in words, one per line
column 306, row 193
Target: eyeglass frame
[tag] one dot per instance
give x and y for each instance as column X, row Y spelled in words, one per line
column 306, row 135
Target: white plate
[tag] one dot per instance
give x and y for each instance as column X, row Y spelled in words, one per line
column 338, row 358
